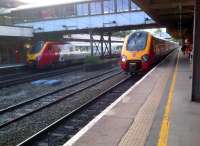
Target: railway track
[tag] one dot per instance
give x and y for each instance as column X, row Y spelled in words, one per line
column 19, row 79
column 11, row 69
column 24, row 109
column 13, row 75
column 63, row 129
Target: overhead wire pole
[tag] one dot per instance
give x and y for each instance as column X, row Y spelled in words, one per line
column 196, row 59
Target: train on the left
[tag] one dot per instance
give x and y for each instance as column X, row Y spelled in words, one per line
column 51, row 53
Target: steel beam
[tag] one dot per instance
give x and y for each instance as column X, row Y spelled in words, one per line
column 196, row 59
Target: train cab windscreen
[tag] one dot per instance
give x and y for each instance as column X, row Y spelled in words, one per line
column 137, row 41
column 37, row 47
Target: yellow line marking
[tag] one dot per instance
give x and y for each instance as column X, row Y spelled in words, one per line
column 164, row 130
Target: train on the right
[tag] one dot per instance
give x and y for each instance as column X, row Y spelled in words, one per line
column 141, row 50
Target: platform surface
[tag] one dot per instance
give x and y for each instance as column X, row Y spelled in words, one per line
column 136, row 118
column 8, row 66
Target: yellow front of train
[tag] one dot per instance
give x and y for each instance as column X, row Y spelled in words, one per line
column 34, row 55
column 135, row 51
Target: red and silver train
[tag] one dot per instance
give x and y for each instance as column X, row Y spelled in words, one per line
column 49, row 54
column 141, row 50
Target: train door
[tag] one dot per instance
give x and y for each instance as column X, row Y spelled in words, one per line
column 51, row 54
column 47, row 58
column 64, row 51
column 152, row 50
column 54, row 51
column 156, row 49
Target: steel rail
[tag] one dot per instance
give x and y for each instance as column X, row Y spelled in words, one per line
column 55, row 124
column 32, row 77
column 56, row 101
column 12, row 107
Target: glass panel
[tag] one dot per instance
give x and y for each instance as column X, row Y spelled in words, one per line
column 37, row 47
column 82, row 9
column 134, row 6
column 33, row 15
column 95, row 8
column 60, row 12
column 108, row 6
column 47, row 13
column 18, row 15
column 122, row 5
column 69, row 10
column 137, row 41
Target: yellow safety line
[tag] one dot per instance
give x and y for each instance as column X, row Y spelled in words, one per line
column 164, row 130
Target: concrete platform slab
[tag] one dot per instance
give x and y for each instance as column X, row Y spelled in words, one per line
column 129, row 121
column 8, row 66
column 184, row 117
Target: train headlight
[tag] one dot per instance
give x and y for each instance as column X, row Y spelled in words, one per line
column 124, row 58
column 145, row 58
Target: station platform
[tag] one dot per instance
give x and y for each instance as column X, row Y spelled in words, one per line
column 156, row 111
column 5, row 67
column 11, row 68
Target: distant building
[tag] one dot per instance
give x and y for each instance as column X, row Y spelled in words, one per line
column 72, row 9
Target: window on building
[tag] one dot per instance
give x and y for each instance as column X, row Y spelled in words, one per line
column 70, row 10
column 82, row 9
column 122, row 5
column 33, row 15
column 95, row 8
column 134, row 6
column 60, row 11
column 108, row 6
column 47, row 13
column 18, row 17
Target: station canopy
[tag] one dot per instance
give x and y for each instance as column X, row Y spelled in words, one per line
column 9, row 3
column 176, row 15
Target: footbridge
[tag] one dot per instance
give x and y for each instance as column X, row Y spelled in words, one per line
column 82, row 17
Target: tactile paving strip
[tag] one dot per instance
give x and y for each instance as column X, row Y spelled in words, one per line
column 139, row 130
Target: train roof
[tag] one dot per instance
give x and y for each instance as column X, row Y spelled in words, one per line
column 77, row 43
column 160, row 38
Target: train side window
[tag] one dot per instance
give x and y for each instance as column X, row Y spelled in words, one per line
column 49, row 49
column 71, row 49
column 37, row 47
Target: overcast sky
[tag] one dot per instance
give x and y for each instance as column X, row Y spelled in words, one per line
column 33, row 3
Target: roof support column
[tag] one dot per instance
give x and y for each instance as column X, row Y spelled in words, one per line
column 109, row 41
column 196, row 59
column 91, row 44
column 101, row 41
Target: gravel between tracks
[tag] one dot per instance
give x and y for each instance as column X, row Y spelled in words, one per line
column 21, row 92
column 17, row 132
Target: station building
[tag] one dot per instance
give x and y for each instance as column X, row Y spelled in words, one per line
column 52, row 22
column 12, row 38
column 71, row 10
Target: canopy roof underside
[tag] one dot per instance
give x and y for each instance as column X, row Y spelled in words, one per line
column 176, row 15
